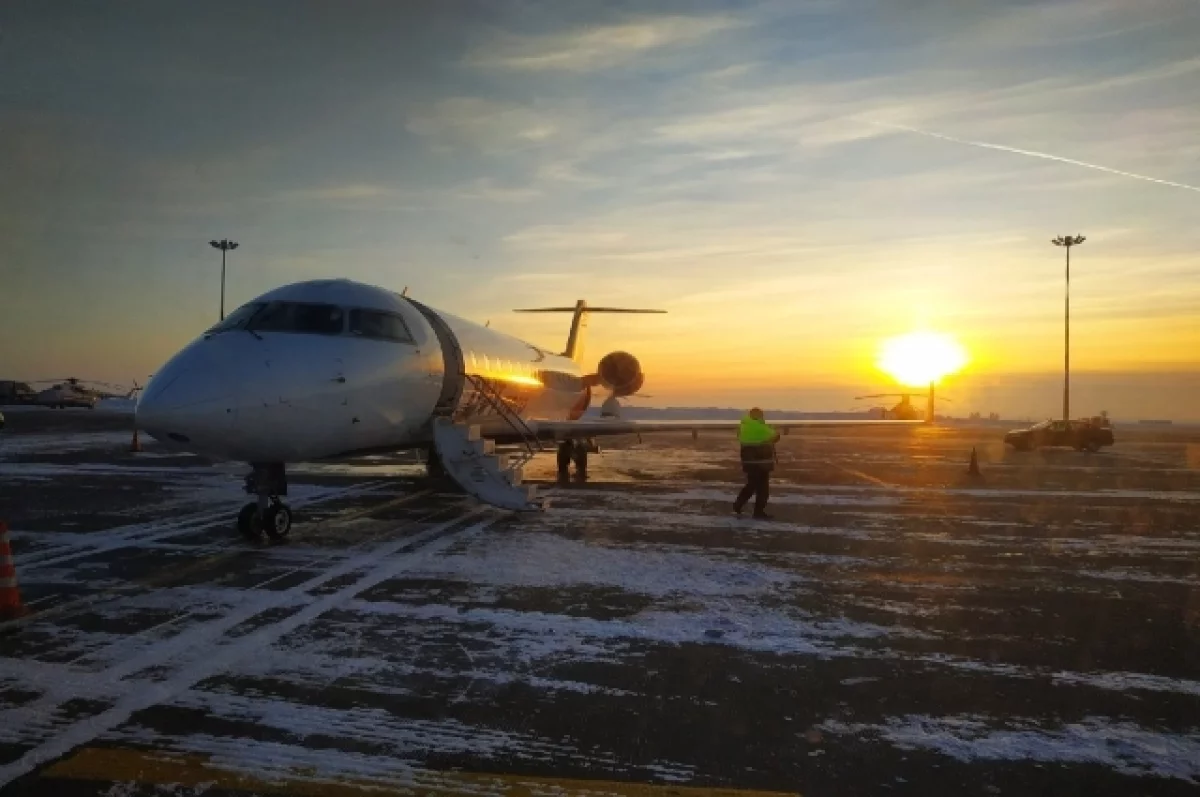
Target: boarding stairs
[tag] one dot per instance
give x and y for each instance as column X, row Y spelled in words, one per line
column 473, row 463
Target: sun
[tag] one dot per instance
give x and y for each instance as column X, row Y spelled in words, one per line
column 919, row 358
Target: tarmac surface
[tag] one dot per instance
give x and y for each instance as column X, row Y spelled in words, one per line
column 898, row 628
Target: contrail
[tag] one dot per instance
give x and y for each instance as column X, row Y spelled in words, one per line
column 1032, row 154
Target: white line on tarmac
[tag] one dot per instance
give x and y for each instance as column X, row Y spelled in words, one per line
column 132, row 536
column 209, row 658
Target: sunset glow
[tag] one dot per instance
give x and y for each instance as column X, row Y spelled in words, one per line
column 918, row 358
column 794, row 183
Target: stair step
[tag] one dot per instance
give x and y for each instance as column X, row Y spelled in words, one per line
column 471, row 461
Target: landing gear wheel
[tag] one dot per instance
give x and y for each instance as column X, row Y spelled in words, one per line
column 277, row 522
column 565, row 450
column 580, row 456
column 249, row 522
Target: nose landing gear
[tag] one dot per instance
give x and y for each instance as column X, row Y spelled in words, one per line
column 268, row 514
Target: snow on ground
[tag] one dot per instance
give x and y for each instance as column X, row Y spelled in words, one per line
column 1121, row 746
column 534, row 559
column 58, row 443
column 122, row 406
column 575, row 604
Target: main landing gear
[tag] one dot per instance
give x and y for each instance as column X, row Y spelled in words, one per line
column 267, row 514
column 574, row 451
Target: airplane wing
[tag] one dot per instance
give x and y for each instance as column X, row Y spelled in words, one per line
column 601, row 427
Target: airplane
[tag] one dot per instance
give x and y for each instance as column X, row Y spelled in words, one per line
column 333, row 368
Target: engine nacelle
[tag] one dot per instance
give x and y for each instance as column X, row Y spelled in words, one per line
column 621, row 373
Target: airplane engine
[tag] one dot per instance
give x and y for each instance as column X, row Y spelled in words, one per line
column 621, row 373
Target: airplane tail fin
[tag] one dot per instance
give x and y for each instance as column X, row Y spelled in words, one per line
column 581, row 310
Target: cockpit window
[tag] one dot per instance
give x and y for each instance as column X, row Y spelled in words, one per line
column 380, row 325
column 313, row 319
column 238, row 318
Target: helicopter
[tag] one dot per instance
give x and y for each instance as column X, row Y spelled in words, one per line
column 73, row 392
column 904, row 410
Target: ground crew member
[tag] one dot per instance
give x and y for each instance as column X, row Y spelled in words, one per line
column 757, row 441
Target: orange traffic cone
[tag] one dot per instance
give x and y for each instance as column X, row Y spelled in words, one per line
column 135, row 446
column 10, row 595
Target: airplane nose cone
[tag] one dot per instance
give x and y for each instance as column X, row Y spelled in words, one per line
column 189, row 404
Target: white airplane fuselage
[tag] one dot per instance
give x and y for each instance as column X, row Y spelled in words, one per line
column 322, row 369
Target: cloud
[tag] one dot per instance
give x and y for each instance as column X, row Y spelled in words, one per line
column 489, row 190
column 1071, row 22
column 336, row 193
column 599, row 46
column 568, row 170
column 731, row 72
column 484, row 124
column 535, row 276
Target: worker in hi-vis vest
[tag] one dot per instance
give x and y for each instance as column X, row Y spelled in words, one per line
column 757, row 440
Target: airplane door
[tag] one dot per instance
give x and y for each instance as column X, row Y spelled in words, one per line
column 453, row 365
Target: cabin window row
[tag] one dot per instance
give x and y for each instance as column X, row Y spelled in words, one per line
column 317, row 319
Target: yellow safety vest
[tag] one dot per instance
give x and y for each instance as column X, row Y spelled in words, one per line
column 756, row 439
column 754, row 432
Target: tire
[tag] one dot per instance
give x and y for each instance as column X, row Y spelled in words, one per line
column 277, row 522
column 249, row 523
column 1093, row 446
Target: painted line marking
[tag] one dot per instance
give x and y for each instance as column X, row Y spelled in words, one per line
column 212, row 654
column 157, row 530
column 120, row 765
column 90, row 600
column 858, row 474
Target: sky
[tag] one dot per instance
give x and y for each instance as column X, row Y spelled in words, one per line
column 794, row 182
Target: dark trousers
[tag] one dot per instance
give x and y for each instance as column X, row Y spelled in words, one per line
column 758, row 484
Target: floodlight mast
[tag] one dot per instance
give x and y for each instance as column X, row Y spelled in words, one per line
column 224, row 245
column 1067, row 241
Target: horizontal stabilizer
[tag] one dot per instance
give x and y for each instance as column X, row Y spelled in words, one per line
column 581, row 310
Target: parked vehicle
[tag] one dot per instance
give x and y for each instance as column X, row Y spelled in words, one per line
column 1087, row 434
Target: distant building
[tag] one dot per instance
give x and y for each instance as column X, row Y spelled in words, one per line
column 13, row 392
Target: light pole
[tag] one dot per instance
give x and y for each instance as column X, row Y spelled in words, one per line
column 1067, row 241
column 224, row 245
